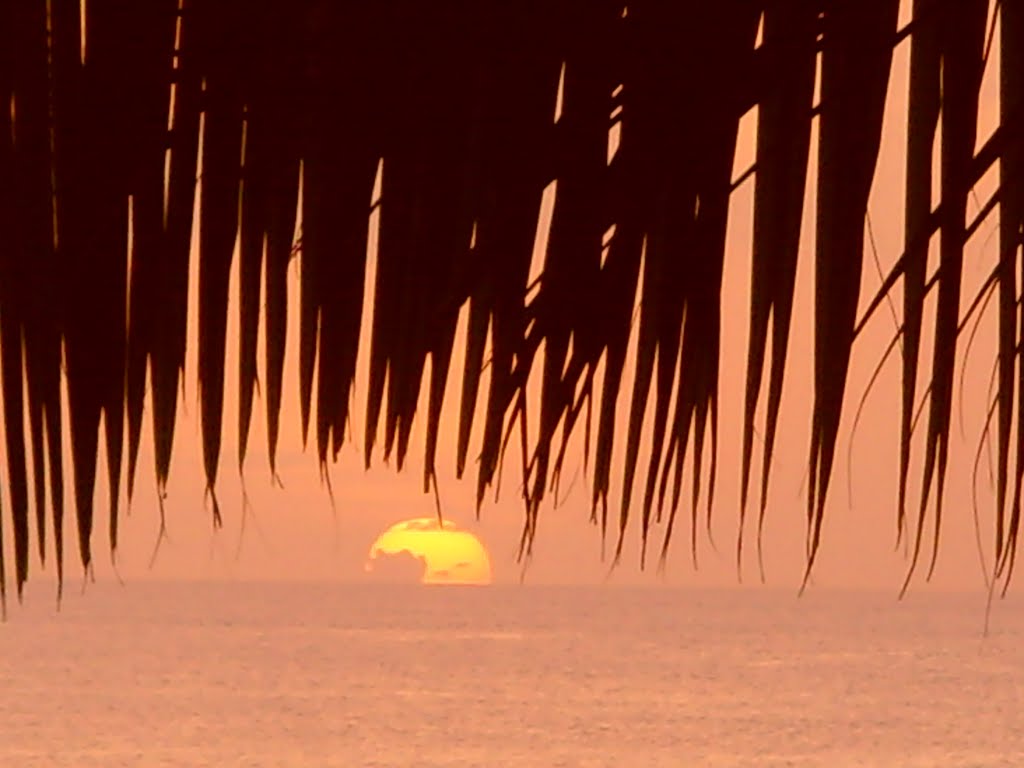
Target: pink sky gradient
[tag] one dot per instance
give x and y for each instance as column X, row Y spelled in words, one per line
column 293, row 533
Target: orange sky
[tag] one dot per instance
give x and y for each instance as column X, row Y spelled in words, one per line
column 293, row 533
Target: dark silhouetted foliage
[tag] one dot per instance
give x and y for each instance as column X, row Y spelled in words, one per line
column 107, row 119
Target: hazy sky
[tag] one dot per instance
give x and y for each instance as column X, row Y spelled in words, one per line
column 292, row 532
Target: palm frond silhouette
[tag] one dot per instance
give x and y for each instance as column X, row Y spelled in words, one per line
column 112, row 107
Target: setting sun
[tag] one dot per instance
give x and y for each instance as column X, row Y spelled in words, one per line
column 431, row 552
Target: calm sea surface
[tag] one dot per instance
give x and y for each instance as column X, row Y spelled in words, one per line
column 325, row 675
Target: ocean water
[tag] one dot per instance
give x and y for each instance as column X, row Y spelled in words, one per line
column 328, row 675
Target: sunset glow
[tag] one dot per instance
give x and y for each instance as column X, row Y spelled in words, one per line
column 443, row 552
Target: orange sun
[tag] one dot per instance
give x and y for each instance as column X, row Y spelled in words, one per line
column 430, row 552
